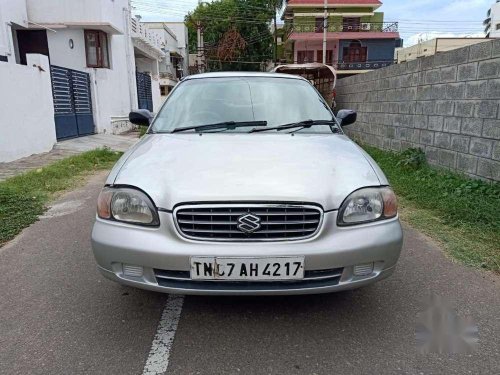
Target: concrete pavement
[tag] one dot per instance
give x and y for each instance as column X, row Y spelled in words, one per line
column 66, row 148
column 59, row 316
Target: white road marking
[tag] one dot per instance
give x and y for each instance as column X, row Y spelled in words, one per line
column 63, row 208
column 159, row 354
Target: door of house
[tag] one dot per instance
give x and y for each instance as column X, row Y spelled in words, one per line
column 72, row 102
column 355, row 53
column 144, row 92
column 351, row 23
column 32, row 41
column 329, row 56
column 305, row 57
column 319, row 24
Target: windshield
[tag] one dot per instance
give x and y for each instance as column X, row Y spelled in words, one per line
column 214, row 100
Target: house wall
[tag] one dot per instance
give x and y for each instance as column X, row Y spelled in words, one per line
column 495, row 20
column 315, row 45
column 75, row 11
column 447, row 104
column 378, row 49
column 60, row 52
column 171, row 45
column 113, row 90
column 180, row 31
column 156, row 93
column 116, row 87
column 170, row 40
column 27, row 116
column 306, row 23
column 431, row 47
column 11, row 11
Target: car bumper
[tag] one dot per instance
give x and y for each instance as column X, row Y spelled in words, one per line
column 163, row 256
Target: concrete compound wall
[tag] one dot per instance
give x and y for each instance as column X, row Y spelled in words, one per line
column 26, row 109
column 447, row 104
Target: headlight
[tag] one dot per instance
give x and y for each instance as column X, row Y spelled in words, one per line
column 127, row 205
column 366, row 205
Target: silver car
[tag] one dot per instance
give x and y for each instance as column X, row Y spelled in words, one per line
column 246, row 184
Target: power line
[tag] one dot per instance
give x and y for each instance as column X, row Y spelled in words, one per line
column 217, row 17
column 240, row 7
column 191, row 4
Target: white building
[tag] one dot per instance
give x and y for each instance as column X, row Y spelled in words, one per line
column 433, row 46
column 181, row 32
column 103, row 64
column 492, row 21
column 174, row 39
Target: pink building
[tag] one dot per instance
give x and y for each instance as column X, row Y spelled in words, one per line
column 358, row 39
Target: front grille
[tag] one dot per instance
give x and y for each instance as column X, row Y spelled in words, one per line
column 312, row 279
column 223, row 222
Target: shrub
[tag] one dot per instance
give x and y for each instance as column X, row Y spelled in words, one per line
column 412, row 158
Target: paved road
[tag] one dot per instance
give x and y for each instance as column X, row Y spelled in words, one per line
column 58, row 316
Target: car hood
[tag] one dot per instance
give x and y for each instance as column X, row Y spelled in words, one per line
column 181, row 168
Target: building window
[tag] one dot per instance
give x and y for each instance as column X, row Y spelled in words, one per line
column 351, row 23
column 354, row 53
column 304, row 57
column 96, row 49
column 498, row 26
column 163, row 90
column 320, row 21
column 329, row 56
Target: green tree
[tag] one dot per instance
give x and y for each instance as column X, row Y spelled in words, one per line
column 250, row 18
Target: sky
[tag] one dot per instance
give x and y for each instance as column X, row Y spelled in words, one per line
column 418, row 19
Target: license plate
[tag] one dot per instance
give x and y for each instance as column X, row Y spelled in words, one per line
column 248, row 269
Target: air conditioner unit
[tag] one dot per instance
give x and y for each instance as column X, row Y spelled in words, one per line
column 366, row 26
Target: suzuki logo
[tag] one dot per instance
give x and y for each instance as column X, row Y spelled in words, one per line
column 248, row 223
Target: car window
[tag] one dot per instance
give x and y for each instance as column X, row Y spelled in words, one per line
column 211, row 100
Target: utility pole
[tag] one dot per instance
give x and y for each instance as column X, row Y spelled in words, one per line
column 198, row 44
column 275, row 40
column 202, row 45
column 200, row 51
column 325, row 29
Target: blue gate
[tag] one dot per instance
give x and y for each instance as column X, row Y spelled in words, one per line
column 72, row 102
column 144, row 93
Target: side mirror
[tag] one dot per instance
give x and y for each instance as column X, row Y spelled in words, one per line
column 346, row 117
column 140, row 117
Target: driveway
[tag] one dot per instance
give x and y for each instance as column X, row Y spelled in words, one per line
column 59, row 316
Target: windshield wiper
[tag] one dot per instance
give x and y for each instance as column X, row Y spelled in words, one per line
column 300, row 124
column 230, row 125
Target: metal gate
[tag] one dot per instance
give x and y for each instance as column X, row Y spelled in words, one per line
column 72, row 102
column 144, row 93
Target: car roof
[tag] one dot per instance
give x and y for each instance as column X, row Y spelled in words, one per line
column 242, row 74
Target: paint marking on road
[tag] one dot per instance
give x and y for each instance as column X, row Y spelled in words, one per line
column 159, row 354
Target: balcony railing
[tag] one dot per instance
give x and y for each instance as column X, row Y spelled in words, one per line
column 142, row 33
column 362, row 65
column 366, row 65
column 174, row 74
column 384, row 27
column 167, row 75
